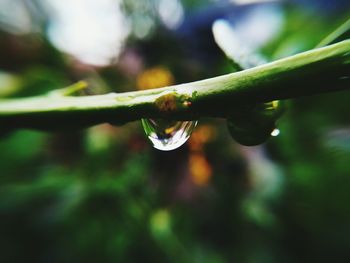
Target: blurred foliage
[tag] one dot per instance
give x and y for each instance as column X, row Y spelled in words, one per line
column 104, row 195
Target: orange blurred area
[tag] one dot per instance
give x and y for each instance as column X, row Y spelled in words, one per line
column 200, row 169
column 200, row 136
column 156, row 77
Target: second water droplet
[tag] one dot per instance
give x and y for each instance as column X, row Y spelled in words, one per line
column 168, row 135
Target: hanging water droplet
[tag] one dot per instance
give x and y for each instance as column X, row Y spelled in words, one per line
column 249, row 132
column 254, row 124
column 167, row 135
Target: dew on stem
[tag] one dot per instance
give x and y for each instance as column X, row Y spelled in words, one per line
column 167, row 135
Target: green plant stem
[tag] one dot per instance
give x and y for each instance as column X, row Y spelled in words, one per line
column 316, row 71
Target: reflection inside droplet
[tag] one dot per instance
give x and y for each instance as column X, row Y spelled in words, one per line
column 275, row 132
column 167, row 135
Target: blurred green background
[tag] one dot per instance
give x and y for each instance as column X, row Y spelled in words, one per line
column 105, row 195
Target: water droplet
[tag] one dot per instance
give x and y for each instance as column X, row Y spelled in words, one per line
column 167, row 135
column 249, row 132
column 275, row 132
